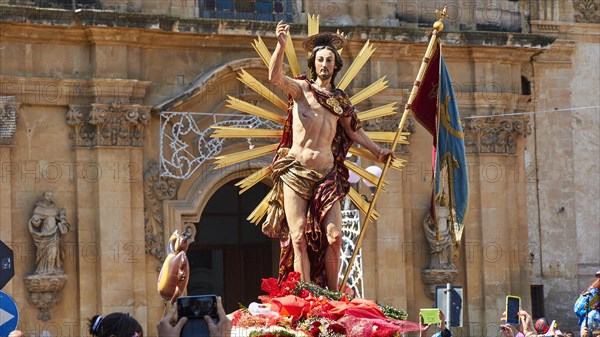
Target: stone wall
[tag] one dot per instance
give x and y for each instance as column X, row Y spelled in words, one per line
column 84, row 84
column 563, row 152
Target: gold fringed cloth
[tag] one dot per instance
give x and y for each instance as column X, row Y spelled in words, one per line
column 287, row 170
column 333, row 187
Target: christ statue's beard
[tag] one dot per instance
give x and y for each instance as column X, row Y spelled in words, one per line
column 324, row 76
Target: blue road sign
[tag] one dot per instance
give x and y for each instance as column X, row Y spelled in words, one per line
column 9, row 314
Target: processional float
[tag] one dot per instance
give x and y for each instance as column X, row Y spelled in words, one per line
column 392, row 138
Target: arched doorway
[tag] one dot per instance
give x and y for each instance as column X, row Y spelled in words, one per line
column 230, row 256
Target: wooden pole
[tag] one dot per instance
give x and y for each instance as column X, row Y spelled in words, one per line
column 438, row 26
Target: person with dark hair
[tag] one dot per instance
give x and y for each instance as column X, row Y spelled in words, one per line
column 116, row 324
column 587, row 308
column 170, row 326
column 309, row 175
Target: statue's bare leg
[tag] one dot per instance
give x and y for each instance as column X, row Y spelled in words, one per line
column 333, row 221
column 295, row 212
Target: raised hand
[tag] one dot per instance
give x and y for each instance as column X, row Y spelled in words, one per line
column 282, row 32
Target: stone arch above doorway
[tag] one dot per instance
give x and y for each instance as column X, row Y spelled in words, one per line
column 195, row 196
column 210, row 88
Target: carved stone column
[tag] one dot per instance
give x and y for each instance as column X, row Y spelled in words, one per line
column 156, row 189
column 9, row 109
column 108, row 141
column 8, row 119
column 497, row 219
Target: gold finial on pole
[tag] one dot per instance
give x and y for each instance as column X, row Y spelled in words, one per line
column 439, row 24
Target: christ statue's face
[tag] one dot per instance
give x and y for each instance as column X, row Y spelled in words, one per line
column 325, row 64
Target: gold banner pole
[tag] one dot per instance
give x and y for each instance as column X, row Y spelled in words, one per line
column 438, row 26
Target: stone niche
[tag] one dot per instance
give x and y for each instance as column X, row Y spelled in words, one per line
column 47, row 226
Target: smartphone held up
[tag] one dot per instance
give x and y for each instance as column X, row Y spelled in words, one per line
column 195, row 308
column 513, row 305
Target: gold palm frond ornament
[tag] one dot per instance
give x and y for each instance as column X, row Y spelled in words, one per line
column 278, row 116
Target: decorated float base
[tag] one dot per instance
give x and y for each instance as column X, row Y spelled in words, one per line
column 297, row 308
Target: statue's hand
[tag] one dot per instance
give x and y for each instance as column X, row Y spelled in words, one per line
column 36, row 220
column 282, row 32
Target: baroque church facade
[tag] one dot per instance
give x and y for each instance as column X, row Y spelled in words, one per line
column 94, row 95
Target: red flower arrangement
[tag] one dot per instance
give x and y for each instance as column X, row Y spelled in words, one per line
column 304, row 307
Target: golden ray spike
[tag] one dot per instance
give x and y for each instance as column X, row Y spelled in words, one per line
column 313, row 24
column 386, row 137
column 259, row 212
column 238, row 104
column 290, row 52
column 241, row 156
column 369, row 91
column 254, row 178
column 344, row 35
column 396, row 163
column 360, row 60
column 384, row 110
column 259, row 88
column 238, row 132
column 262, row 50
column 361, row 203
column 366, row 175
column 363, row 153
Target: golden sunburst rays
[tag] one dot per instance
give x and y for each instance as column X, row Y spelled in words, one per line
column 276, row 113
column 369, row 91
column 259, row 88
column 259, row 212
column 360, row 60
column 244, row 106
column 254, row 178
column 290, row 53
column 314, row 21
column 363, row 205
column 262, row 50
column 241, row 156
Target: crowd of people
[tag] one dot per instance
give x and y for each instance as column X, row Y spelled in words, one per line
column 586, row 309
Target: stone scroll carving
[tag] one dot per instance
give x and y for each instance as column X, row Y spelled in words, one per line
column 114, row 124
column 8, row 119
column 587, row 11
column 156, row 190
column 47, row 226
column 494, row 134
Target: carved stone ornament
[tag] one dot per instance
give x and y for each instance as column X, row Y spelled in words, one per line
column 390, row 124
column 587, row 11
column 156, row 189
column 441, row 268
column 496, row 135
column 47, row 226
column 108, row 124
column 8, row 119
